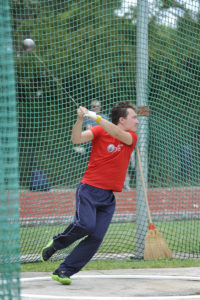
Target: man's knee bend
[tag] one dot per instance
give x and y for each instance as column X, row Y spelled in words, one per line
column 96, row 239
column 88, row 229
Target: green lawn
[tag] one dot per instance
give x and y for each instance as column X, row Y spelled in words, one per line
column 181, row 236
column 115, row 264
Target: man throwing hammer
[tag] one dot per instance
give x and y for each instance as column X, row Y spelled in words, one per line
column 112, row 145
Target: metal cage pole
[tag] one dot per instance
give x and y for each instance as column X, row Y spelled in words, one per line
column 142, row 102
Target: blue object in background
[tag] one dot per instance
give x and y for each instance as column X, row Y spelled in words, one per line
column 39, row 181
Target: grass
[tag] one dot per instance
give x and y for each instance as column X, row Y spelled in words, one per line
column 115, row 264
column 181, row 236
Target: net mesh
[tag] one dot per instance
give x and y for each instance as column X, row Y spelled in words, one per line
column 87, row 49
column 9, row 200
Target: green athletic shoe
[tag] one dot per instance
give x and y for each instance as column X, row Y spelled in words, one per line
column 47, row 251
column 61, row 277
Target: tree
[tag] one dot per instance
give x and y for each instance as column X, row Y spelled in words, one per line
column 91, row 52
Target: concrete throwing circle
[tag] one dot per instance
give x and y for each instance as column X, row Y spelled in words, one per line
column 113, row 286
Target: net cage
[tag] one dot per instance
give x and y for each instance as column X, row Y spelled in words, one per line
column 9, row 198
column 94, row 50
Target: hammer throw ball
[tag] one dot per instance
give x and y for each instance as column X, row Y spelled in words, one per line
column 28, row 45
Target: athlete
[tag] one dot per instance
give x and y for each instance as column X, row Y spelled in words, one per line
column 112, row 145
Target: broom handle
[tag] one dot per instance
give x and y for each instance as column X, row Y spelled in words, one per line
column 143, row 184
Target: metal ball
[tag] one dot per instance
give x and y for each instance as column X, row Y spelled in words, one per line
column 28, row 45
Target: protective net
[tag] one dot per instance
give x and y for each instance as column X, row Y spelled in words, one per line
column 87, row 50
column 9, row 200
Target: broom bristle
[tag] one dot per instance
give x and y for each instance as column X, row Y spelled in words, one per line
column 155, row 246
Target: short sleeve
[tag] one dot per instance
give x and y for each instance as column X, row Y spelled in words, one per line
column 134, row 136
column 97, row 131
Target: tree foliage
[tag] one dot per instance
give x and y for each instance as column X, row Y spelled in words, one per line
column 91, row 51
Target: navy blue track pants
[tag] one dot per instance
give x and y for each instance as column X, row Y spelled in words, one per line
column 94, row 211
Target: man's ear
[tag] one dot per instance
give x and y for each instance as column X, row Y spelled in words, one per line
column 121, row 120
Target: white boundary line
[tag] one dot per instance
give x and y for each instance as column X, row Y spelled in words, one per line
column 38, row 297
column 148, row 277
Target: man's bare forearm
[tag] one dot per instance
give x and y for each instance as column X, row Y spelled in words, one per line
column 116, row 131
column 76, row 131
column 109, row 127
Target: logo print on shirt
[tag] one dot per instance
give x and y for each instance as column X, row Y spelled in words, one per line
column 113, row 148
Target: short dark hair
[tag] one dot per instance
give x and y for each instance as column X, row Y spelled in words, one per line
column 120, row 110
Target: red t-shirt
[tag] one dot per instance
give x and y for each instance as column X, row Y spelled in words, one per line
column 108, row 161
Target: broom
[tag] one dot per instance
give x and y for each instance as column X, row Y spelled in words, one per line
column 155, row 245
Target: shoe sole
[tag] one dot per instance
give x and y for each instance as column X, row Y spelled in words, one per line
column 66, row 281
column 49, row 244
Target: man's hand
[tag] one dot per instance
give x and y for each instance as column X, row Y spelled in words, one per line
column 82, row 111
column 78, row 136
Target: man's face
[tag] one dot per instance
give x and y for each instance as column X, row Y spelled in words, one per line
column 131, row 121
column 96, row 106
